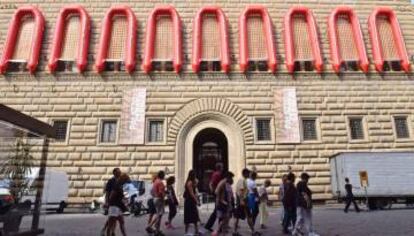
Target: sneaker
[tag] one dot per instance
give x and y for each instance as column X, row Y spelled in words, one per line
column 168, row 225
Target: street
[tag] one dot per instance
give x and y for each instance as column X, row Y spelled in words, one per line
column 328, row 220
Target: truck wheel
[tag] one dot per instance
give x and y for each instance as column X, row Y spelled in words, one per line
column 372, row 204
column 384, row 204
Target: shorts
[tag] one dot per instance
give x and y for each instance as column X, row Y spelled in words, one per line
column 151, row 206
column 222, row 211
column 159, row 206
column 241, row 211
column 114, row 211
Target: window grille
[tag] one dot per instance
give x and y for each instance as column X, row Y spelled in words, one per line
column 401, row 127
column 71, row 38
column 108, row 131
column 24, row 41
column 119, row 33
column 156, row 131
column 302, row 43
column 388, row 44
column 61, row 127
column 256, row 38
column 346, row 42
column 210, row 38
column 309, row 129
column 356, row 128
column 263, row 129
column 164, row 39
column 346, row 39
column 210, row 41
column 69, row 51
column 21, row 49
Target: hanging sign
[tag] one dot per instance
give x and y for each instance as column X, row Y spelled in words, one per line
column 132, row 123
column 287, row 117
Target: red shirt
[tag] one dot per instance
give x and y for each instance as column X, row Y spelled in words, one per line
column 158, row 188
column 215, row 178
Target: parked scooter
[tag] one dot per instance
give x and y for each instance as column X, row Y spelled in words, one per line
column 136, row 198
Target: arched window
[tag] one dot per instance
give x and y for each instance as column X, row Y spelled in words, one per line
column 118, row 40
column 210, row 46
column 388, row 47
column 71, row 40
column 346, row 41
column 163, row 41
column 24, row 40
column 257, row 47
column 301, row 41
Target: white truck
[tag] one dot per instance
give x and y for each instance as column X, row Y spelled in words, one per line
column 390, row 177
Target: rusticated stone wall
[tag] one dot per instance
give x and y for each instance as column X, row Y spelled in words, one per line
column 86, row 99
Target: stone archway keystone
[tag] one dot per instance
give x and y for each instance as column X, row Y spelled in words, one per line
column 205, row 105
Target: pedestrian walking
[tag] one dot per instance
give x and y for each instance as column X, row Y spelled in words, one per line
column 264, row 202
column 223, row 202
column 158, row 190
column 303, row 224
column 231, row 200
column 289, row 201
column 116, row 206
column 241, row 210
column 253, row 196
column 191, row 202
column 215, row 178
column 172, row 202
column 350, row 197
column 281, row 196
column 150, row 203
column 116, row 172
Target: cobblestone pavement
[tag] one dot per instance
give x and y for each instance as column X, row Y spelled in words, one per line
column 330, row 220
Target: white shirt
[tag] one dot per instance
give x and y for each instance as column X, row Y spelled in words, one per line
column 262, row 191
column 251, row 185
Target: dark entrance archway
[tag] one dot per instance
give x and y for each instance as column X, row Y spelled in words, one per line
column 209, row 147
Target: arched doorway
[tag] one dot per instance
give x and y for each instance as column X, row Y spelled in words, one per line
column 186, row 139
column 209, row 148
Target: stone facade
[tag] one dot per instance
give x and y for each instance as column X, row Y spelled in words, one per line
column 86, row 99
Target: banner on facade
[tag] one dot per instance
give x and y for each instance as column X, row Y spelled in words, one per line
column 287, row 117
column 132, row 124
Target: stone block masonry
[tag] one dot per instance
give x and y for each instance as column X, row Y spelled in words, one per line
column 89, row 163
column 84, row 100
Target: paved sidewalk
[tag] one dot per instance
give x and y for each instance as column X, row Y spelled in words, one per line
column 328, row 221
